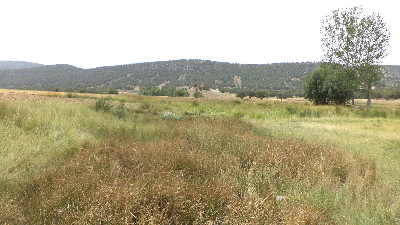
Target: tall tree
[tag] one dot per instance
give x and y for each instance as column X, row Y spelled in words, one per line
column 357, row 42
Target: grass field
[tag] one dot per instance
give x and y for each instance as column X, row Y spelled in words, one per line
column 131, row 159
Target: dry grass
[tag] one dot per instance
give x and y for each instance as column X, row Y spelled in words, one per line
column 199, row 173
column 205, row 167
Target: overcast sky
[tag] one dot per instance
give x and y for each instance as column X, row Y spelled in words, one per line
column 94, row 33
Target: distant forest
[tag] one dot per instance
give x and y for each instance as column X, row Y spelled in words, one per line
column 273, row 78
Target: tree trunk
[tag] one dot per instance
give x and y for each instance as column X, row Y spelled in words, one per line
column 352, row 98
column 369, row 97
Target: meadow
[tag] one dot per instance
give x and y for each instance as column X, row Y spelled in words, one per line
column 128, row 159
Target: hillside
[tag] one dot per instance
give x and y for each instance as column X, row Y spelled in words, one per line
column 13, row 65
column 278, row 76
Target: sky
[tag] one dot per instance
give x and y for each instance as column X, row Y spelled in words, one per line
column 95, row 33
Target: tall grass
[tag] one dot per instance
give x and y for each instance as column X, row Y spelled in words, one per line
column 197, row 174
column 221, row 162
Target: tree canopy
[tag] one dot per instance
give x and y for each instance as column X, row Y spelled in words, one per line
column 325, row 85
column 358, row 42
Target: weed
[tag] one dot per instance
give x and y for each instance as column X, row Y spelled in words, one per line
column 102, row 104
column 195, row 103
column 120, row 111
column 168, row 115
column 397, row 112
column 237, row 102
column 291, row 110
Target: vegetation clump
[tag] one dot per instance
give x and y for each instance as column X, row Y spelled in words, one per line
column 326, row 85
column 168, row 115
column 198, row 94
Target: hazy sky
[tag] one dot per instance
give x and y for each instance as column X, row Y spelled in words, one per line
column 89, row 33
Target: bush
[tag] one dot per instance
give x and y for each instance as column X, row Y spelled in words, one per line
column 120, row 111
column 195, row 103
column 397, row 112
column 261, row 94
column 326, row 85
column 168, row 115
column 102, row 105
column 198, row 95
column 241, row 94
column 182, row 93
column 111, row 91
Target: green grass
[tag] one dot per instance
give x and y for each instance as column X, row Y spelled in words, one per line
column 135, row 159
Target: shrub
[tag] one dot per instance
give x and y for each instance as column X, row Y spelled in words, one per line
column 102, row 104
column 397, row 112
column 326, row 85
column 120, row 111
column 168, row 115
column 241, row 94
column 195, row 103
column 198, row 95
column 182, row 93
column 111, row 91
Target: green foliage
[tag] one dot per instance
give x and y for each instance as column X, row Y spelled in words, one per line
column 397, row 112
column 261, row 94
column 195, row 103
column 198, row 94
column 251, row 94
column 357, row 42
column 241, row 94
column 102, row 104
column 111, row 91
column 181, row 93
column 237, row 102
column 168, row 90
column 120, row 111
column 282, row 95
column 325, row 86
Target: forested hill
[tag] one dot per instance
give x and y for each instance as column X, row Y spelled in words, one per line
column 12, row 65
column 278, row 76
column 178, row 73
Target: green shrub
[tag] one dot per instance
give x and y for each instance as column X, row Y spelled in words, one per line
column 102, row 104
column 305, row 113
column 397, row 112
column 120, row 111
column 198, row 95
column 195, row 103
column 181, row 93
column 291, row 110
column 237, row 102
column 111, row 91
column 72, row 95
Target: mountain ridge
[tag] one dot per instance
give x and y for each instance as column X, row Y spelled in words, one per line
column 213, row 74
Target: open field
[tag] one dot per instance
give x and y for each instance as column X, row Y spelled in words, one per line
column 130, row 159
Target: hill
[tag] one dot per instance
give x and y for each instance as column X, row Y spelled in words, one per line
column 12, row 65
column 178, row 73
column 278, row 76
